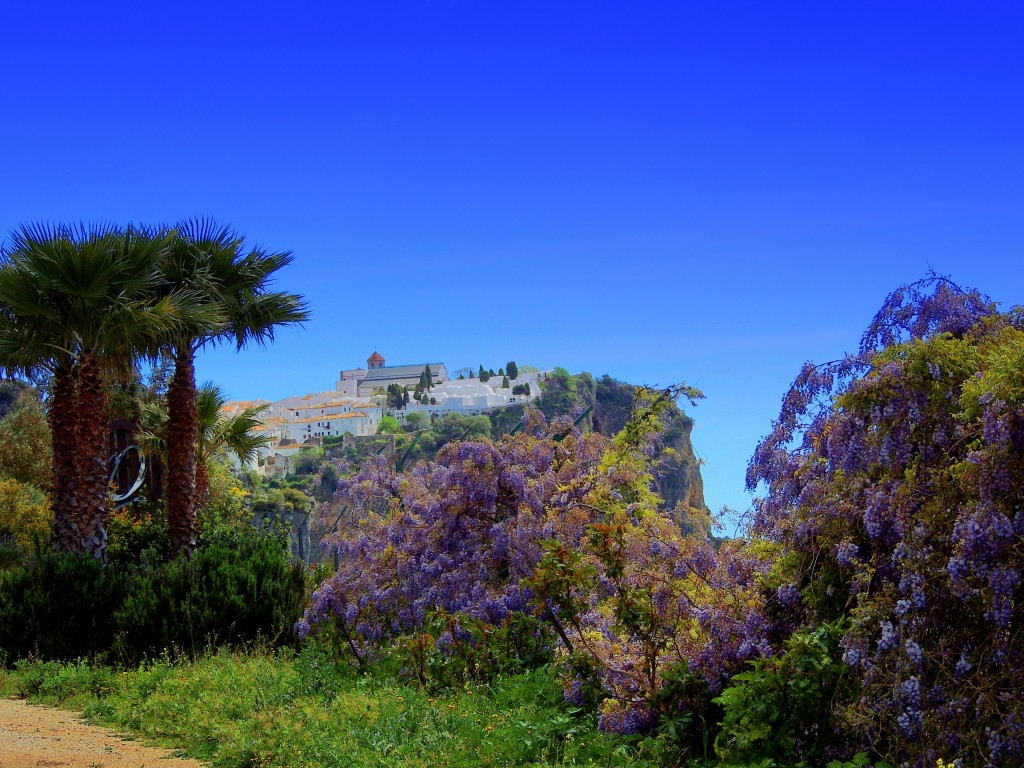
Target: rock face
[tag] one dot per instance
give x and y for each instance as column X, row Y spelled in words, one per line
column 678, row 478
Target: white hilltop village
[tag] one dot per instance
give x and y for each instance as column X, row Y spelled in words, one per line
column 358, row 402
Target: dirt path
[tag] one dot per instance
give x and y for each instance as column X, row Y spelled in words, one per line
column 32, row 736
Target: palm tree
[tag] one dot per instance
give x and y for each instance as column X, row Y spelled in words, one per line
column 212, row 259
column 237, row 434
column 77, row 302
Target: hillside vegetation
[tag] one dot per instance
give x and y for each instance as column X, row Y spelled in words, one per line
column 522, row 593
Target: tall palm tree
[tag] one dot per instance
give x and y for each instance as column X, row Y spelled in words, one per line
column 213, row 260
column 78, row 302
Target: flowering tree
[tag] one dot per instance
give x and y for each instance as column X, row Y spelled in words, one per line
column 895, row 495
column 551, row 525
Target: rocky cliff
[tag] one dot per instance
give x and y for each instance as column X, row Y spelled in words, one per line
column 677, row 477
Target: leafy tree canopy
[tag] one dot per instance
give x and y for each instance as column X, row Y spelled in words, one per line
column 25, row 453
column 389, row 426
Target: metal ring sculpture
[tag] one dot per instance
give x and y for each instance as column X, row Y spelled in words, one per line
column 123, row 499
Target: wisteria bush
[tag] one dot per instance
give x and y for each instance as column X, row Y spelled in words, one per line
column 557, row 532
column 894, row 489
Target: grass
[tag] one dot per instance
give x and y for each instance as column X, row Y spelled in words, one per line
column 267, row 709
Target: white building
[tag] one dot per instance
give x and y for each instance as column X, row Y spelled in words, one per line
column 294, row 423
column 376, row 377
column 472, row 396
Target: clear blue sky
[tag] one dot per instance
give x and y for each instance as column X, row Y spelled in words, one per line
column 708, row 192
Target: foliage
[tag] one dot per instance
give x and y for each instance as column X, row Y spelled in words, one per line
column 24, row 514
column 451, row 651
column 449, row 428
column 138, row 395
column 237, row 435
column 894, row 494
column 82, row 303
column 415, row 421
column 25, row 452
column 10, row 390
column 137, row 534
column 238, row 586
column 332, row 441
column 218, row 436
column 286, row 710
column 388, row 426
column 226, row 505
column 561, row 392
column 328, row 483
column 396, row 396
column 782, row 708
column 453, row 427
column 278, row 501
column 231, row 284
column 511, row 370
column 58, row 606
column 549, row 526
column 307, row 461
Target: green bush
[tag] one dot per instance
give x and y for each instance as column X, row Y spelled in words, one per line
column 782, row 708
column 688, row 717
column 58, row 606
column 239, row 586
column 137, row 535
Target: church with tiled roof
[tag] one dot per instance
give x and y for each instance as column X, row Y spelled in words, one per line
column 377, row 376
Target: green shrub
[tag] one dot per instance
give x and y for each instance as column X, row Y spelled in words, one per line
column 137, row 535
column 688, row 716
column 58, row 606
column 11, row 555
column 239, row 586
column 24, row 513
column 782, row 708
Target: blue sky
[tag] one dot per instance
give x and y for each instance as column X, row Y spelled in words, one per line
column 655, row 191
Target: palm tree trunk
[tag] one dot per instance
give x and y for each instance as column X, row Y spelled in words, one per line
column 93, row 487
column 62, row 416
column 182, row 438
column 202, row 493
